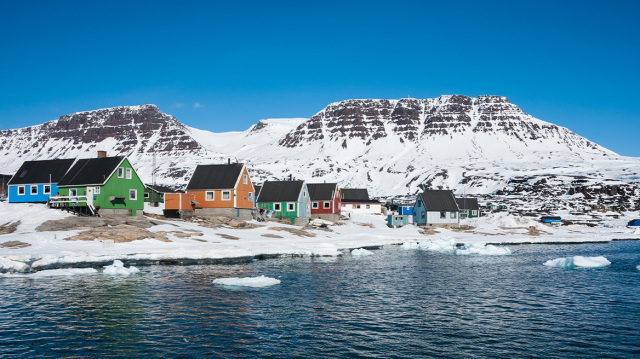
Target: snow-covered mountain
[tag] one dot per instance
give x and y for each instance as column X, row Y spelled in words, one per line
column 473, row 145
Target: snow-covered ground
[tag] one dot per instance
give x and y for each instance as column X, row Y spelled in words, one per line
column 50, row 250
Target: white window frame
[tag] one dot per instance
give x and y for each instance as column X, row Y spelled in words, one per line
column 277, row 207
column 368, row 206
column 147, row 195
column 44, row 189
column 21, row 189
column 453, row 215
column 327, row 205
column 474, row 212
column 120, row 172
column 291, row 206
column 135, row 194
column 31, row 190
column 96, row 190
column 213, row 195
column 245, row 179
column 314, row 205
column 129, row 172
column 250, row 196
column 73, row 192
column 228, row 194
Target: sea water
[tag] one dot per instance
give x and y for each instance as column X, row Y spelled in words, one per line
column 395, row 303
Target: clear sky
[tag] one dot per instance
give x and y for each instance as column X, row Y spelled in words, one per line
column 223, row 65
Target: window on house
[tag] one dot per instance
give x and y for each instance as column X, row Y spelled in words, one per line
column 250, row 196
column 96, row 190
column 226, row 195
column 210, row 196
column 368, row 207
column 314, row 205
column 353, row 206
column 120, row 172
column 424, row 214
column 276, row 207
column 24, row 173
column 419, row 203
column 357, row 206
column 146, row 195
column 291, row 207
column 34, row 189
column 245, row 179
column 133, row 194
column 453, row 215
column 73, row 192
column 474, row 213
column 21, row 190
column 46, row 189
column 304, row 193
column 443, row 214
column 327, row 205
column 129, row 173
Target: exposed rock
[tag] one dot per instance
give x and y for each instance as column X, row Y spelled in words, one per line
column 269, row 235
column 14, row 244
column 296, row 231
column 120, row 233
column 227, row 236
column 76, row 222
column 9, row 227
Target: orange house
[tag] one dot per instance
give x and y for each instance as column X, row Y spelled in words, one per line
column 222, row 190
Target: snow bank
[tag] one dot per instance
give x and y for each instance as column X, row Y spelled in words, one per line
column 410, row 245
column 255, row 282
column 54, row 273
column 118, row 268
column 637, row 231
column 14, row 265
column 578, row 261
column 444, row 245
column 361, row 252
column 482, row 249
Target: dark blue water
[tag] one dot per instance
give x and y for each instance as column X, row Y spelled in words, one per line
column 395, row 304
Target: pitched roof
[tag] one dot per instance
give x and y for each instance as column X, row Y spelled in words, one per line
column 88, row 171
column 257, row 189
column 39, row 171
column 356, row 195
column 280, row 191
column 468, row 203
column 160, row 189
column 322, row 191
column 222, row 176
column 439, row 200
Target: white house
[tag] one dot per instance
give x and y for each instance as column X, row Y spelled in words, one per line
column 356, row 200
column 436, row 207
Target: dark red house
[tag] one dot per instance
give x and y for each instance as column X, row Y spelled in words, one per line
column 325, row 200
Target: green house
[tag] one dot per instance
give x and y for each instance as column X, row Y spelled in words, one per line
column 284, row 199
column 155, row 194
column 108, row 184
column 469, row 207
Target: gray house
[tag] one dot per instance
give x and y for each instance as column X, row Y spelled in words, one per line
column 436, row 208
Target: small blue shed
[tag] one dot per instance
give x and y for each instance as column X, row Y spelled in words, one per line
column 550, row 219
column 405, row 210
column 36, row 181
column 396, row 220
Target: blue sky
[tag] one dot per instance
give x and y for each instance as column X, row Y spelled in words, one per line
column 223, row 65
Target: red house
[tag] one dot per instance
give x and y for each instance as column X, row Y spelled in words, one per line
column 325, row 200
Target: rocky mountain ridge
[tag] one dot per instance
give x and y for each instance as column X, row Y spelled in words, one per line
column 471, row 145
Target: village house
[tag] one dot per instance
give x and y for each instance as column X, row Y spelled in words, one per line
column 325, row 201
column 285, row 200
column 219, row 190
column 35, row 181
column 155, row 193
column 436, row 208
column 356, row 200
column 469, row 207
column 106, row 185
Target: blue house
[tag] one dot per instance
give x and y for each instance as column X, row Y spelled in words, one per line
column 35, row 181
column 436, row 208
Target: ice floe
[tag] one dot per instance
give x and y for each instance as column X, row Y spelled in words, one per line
column 255, row 282
column 361, row 252
column 444, row 245
column 482, row 249
column 118, row 268
column 578, row 261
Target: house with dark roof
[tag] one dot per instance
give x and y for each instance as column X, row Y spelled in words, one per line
column 436, row 208
column 110, row 184
column 356, row 200
column 155, row 193
column 285, row 200
column 469, row 207
column 36, row 180
column 221, row 190
column 325, row 200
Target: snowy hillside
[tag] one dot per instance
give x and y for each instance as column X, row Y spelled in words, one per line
column 472, row 145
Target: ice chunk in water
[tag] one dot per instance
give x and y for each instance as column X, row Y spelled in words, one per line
column 361, row 252
column 578, row 261
column 446, row 245
column 255, row 282
column 118, row 268
column 482, row 249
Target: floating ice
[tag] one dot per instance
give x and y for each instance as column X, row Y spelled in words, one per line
column 638, row 267
column 445, row 245
column 255, row 282
column 55, row 273
column 578, row 261
column 410, row 245
column 482, row 249
column 361, row 252
column 118, row 268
